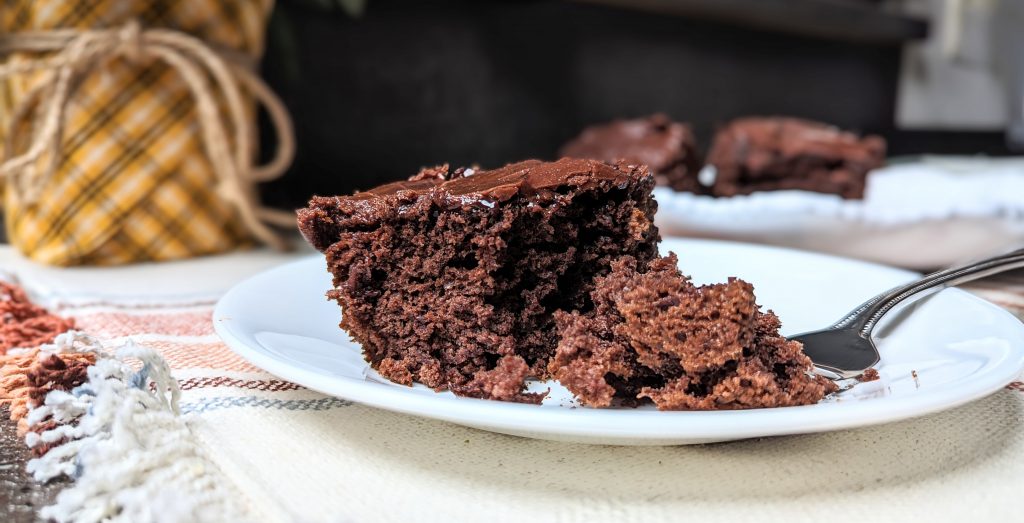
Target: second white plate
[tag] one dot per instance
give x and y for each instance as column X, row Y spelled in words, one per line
column 920, row 213
column 937, row 353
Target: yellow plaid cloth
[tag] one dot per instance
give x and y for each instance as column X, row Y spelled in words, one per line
column 132, row 182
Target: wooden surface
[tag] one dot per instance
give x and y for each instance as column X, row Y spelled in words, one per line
column 20, row 496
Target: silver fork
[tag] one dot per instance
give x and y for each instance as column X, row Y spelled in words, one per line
column 846, row 350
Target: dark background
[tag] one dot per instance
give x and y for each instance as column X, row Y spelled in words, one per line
column 407, row 84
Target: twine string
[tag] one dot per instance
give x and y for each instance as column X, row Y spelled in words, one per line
column 226, row 136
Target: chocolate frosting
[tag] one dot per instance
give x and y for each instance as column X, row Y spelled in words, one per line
column 461, row 188
column 529, row 177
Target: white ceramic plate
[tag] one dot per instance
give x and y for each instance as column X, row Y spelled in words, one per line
column 937, row 353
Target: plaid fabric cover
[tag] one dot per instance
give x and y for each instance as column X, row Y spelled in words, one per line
column 133, row 182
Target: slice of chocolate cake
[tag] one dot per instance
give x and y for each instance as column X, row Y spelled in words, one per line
column 452, row 279
column 652, row 334
column 769, row 154
column 666, row 147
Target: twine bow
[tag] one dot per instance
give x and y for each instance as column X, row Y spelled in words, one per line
column 227, row 137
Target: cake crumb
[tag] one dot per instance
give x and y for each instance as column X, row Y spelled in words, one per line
column 869, row 375
column 438, row 172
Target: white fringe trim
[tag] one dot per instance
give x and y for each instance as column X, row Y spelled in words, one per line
column 133, row 458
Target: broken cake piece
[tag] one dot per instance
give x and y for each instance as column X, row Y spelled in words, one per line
column 653, row 334
column 451, row 279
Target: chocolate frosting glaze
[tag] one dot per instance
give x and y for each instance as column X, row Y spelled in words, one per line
column 529, row 177
column 534, row 179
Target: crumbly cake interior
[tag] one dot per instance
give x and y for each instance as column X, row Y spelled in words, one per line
column 653, row 334
column 457, row 290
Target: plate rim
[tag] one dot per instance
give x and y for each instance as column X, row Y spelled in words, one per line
column 619, row 424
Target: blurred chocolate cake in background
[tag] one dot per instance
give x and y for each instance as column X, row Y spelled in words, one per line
column 668, row 148
column 776, row 153
column 748, row 154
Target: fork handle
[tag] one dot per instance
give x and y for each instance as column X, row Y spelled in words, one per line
column 865, row 317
